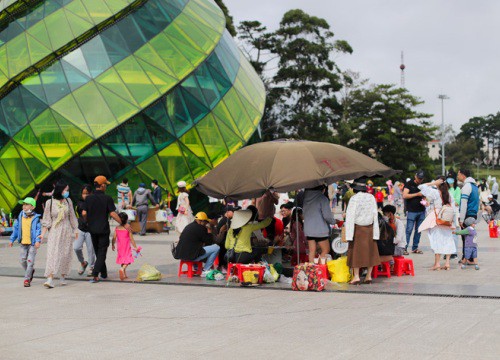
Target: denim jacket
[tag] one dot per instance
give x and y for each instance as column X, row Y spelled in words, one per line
column 36, row 229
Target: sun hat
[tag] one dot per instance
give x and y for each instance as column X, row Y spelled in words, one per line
column 28, row 200
column 201, row 216
column 241, row 218
column 181, row 184
column 101, row 180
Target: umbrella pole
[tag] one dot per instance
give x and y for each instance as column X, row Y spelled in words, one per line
column 297, row 234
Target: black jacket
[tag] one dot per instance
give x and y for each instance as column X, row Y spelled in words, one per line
column 191, row 242
column 82, row 224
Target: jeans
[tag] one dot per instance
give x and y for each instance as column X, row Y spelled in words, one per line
column 27, row 255
column 211, row 253
column 84, row 237
column 142, row 214
column 101, row 244
column 413, row 221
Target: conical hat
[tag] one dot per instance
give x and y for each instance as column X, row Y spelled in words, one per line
column 240, row 218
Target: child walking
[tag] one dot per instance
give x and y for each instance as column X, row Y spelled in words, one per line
column 470, row 248
column 27, row 231
column 123, row 238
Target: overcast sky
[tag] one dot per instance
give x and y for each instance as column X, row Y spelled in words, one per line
column 450, row 47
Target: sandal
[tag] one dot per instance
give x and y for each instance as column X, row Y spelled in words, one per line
column 368, row 282
column 418, row 251
column 83, row 267
column 435, row 268
column 357, row 282
column 122, row 274
column 446, row 267
column 406, row 253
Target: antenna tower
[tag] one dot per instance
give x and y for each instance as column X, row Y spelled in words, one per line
column 402, row 67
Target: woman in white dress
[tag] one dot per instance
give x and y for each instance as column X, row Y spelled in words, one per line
column 184, row 212
column 440, row 237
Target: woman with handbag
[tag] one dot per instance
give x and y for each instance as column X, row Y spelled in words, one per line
column 238, row 240
column 184, row 212
column 439, row 221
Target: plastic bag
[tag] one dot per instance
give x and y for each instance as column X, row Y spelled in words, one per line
column 215, row 275
column 339, row 271
column 251, row 277
column 148, row 273
column 131, row 214
column 161, row 216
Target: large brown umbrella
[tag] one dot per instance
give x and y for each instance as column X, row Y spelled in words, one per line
column 286, row 165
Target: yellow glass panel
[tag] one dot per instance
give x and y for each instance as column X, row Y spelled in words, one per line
column 112, row 81
column 70, row 110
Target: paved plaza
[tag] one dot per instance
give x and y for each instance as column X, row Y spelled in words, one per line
column 452, row 313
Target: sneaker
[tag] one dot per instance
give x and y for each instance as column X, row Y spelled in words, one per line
column 205, row 273
column 62, row 281
column 477, row 267
column 49, row 284
column 94, row 280
column 27, row 283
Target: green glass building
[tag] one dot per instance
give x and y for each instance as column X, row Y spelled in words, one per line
column 144, row 89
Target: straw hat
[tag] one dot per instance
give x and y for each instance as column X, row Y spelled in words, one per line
column 241, row 218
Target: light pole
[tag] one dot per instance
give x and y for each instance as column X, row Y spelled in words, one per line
column 443, row 167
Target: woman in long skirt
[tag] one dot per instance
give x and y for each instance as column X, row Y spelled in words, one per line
column 60, row 221
column 184, row 212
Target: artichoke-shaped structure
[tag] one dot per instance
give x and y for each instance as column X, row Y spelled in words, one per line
column 144, row 89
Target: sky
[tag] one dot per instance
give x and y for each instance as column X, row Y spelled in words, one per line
column 451, row 47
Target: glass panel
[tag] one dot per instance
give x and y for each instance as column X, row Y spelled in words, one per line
column 59, row 30
column 18, row 54
column 55, row 83
column 174, row 164
column 75, row 137
column 27, row 139
column 171, row 56
column 146, row 27
column 15, row 167
column 114, row 161
column 137, row 81
column 5, row 179
column 77, row 60
column 191, row 86
column 92, row 163
column 207, row 86
column 177, row 112
column 253, row 114
column 116, row 141
column 223, row 115
column 75, row 77
column 162, row 81
column 95, row 56
column 198, row 168
column 112, row 81
column 13, row 109
column 153, row 169
column 37, row 169
column 196, row 110
column 95, row 110
column 148, row 54
column 32, row 105
column 77, row 24
column 158, row 113
column 159, row 136
column 192, row 32
column 128, row 28
column 138, row 141
column 76, row 7
column 36, row 49
column 40, row 33
column 98, row 10
column 239, row 114
column 122, row 109
column 69, row 109
column 212, row 140
column 192, row 141
column 233, row 142
column 115, row 45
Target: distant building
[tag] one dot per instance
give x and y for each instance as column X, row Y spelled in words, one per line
column 434, row 147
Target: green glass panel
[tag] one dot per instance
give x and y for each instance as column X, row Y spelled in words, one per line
column 218, row 74
column 17, row 54
column 54, row 83
column 222, row 113
column 233, row 142
column 114, row 161
column 174, row 164
column 253, row 114
column 148, row 54
column 27, row 139
column 197, row 16
column 137, row 81
column 10, row 198
column 92, row 163
column 212, row 140
column 77, row 60
column 15, row 167
column 177, row 112
column 95, row 110
column 112, row 81
column 76, row 138
column 198, row 168
column 13, row 109
column 34, row 85
column 40, row 33
column 77, row 24
column 74, row 76
column 36, row 49
column 98, row 10
column 96, row 56
column 212, row 20
column 4, row 70
column 51, row 139
column 162, row 81
column 153, row 169
column 59, row 30
column 171, row 56
column 116, row 46
column 36, row 168
column 158, row 114
column 191, row 86
column 192, row 141
column 69, row 109
column 77, row 8
column 193, row 55
column 122, row 109
column 194, row 33
column 242, row 89
column 238, row 114
column 116, row 141
column 158, row 135
column 5, row 179
column 196, row 110
column 175, row 32
column 32, row 105
column 207, row 86
column 138, row 140
column 117, row 5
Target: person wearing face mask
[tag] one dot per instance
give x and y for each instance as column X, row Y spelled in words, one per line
column 27, row 230
column 455, row 194
column 59, row 220
column 84, row 235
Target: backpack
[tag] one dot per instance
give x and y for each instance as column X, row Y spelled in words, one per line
column 445, row 216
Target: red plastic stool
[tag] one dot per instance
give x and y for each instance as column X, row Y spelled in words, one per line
column 324, row 270
column 216, row 263
column 386, row 270
column 403, row 266
column 251, row 267
column 190, row 271
column 233, row 268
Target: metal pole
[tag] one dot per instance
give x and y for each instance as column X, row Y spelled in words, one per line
column 443, row 166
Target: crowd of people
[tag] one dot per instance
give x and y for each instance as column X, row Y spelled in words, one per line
column 446, row 207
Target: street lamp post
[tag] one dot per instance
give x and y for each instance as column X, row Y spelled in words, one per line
column 443, row 167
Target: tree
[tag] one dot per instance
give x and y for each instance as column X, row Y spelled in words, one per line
column 385, row 123
column 461, row 152
column 258, row 44
column 229, row 18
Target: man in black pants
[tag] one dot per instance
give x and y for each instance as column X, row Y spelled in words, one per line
column 96, row 210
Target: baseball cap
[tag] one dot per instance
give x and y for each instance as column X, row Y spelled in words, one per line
column 201, row 216
column 101, row 180
column 142, row 185
column 420, row 174
column 469, row 221
column 28, row 200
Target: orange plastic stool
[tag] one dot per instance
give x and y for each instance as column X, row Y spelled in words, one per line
column 233, row 268
column 386, row 270
column 403, row 266
column 216, row 263
column 238, row 270
column 190, row 271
